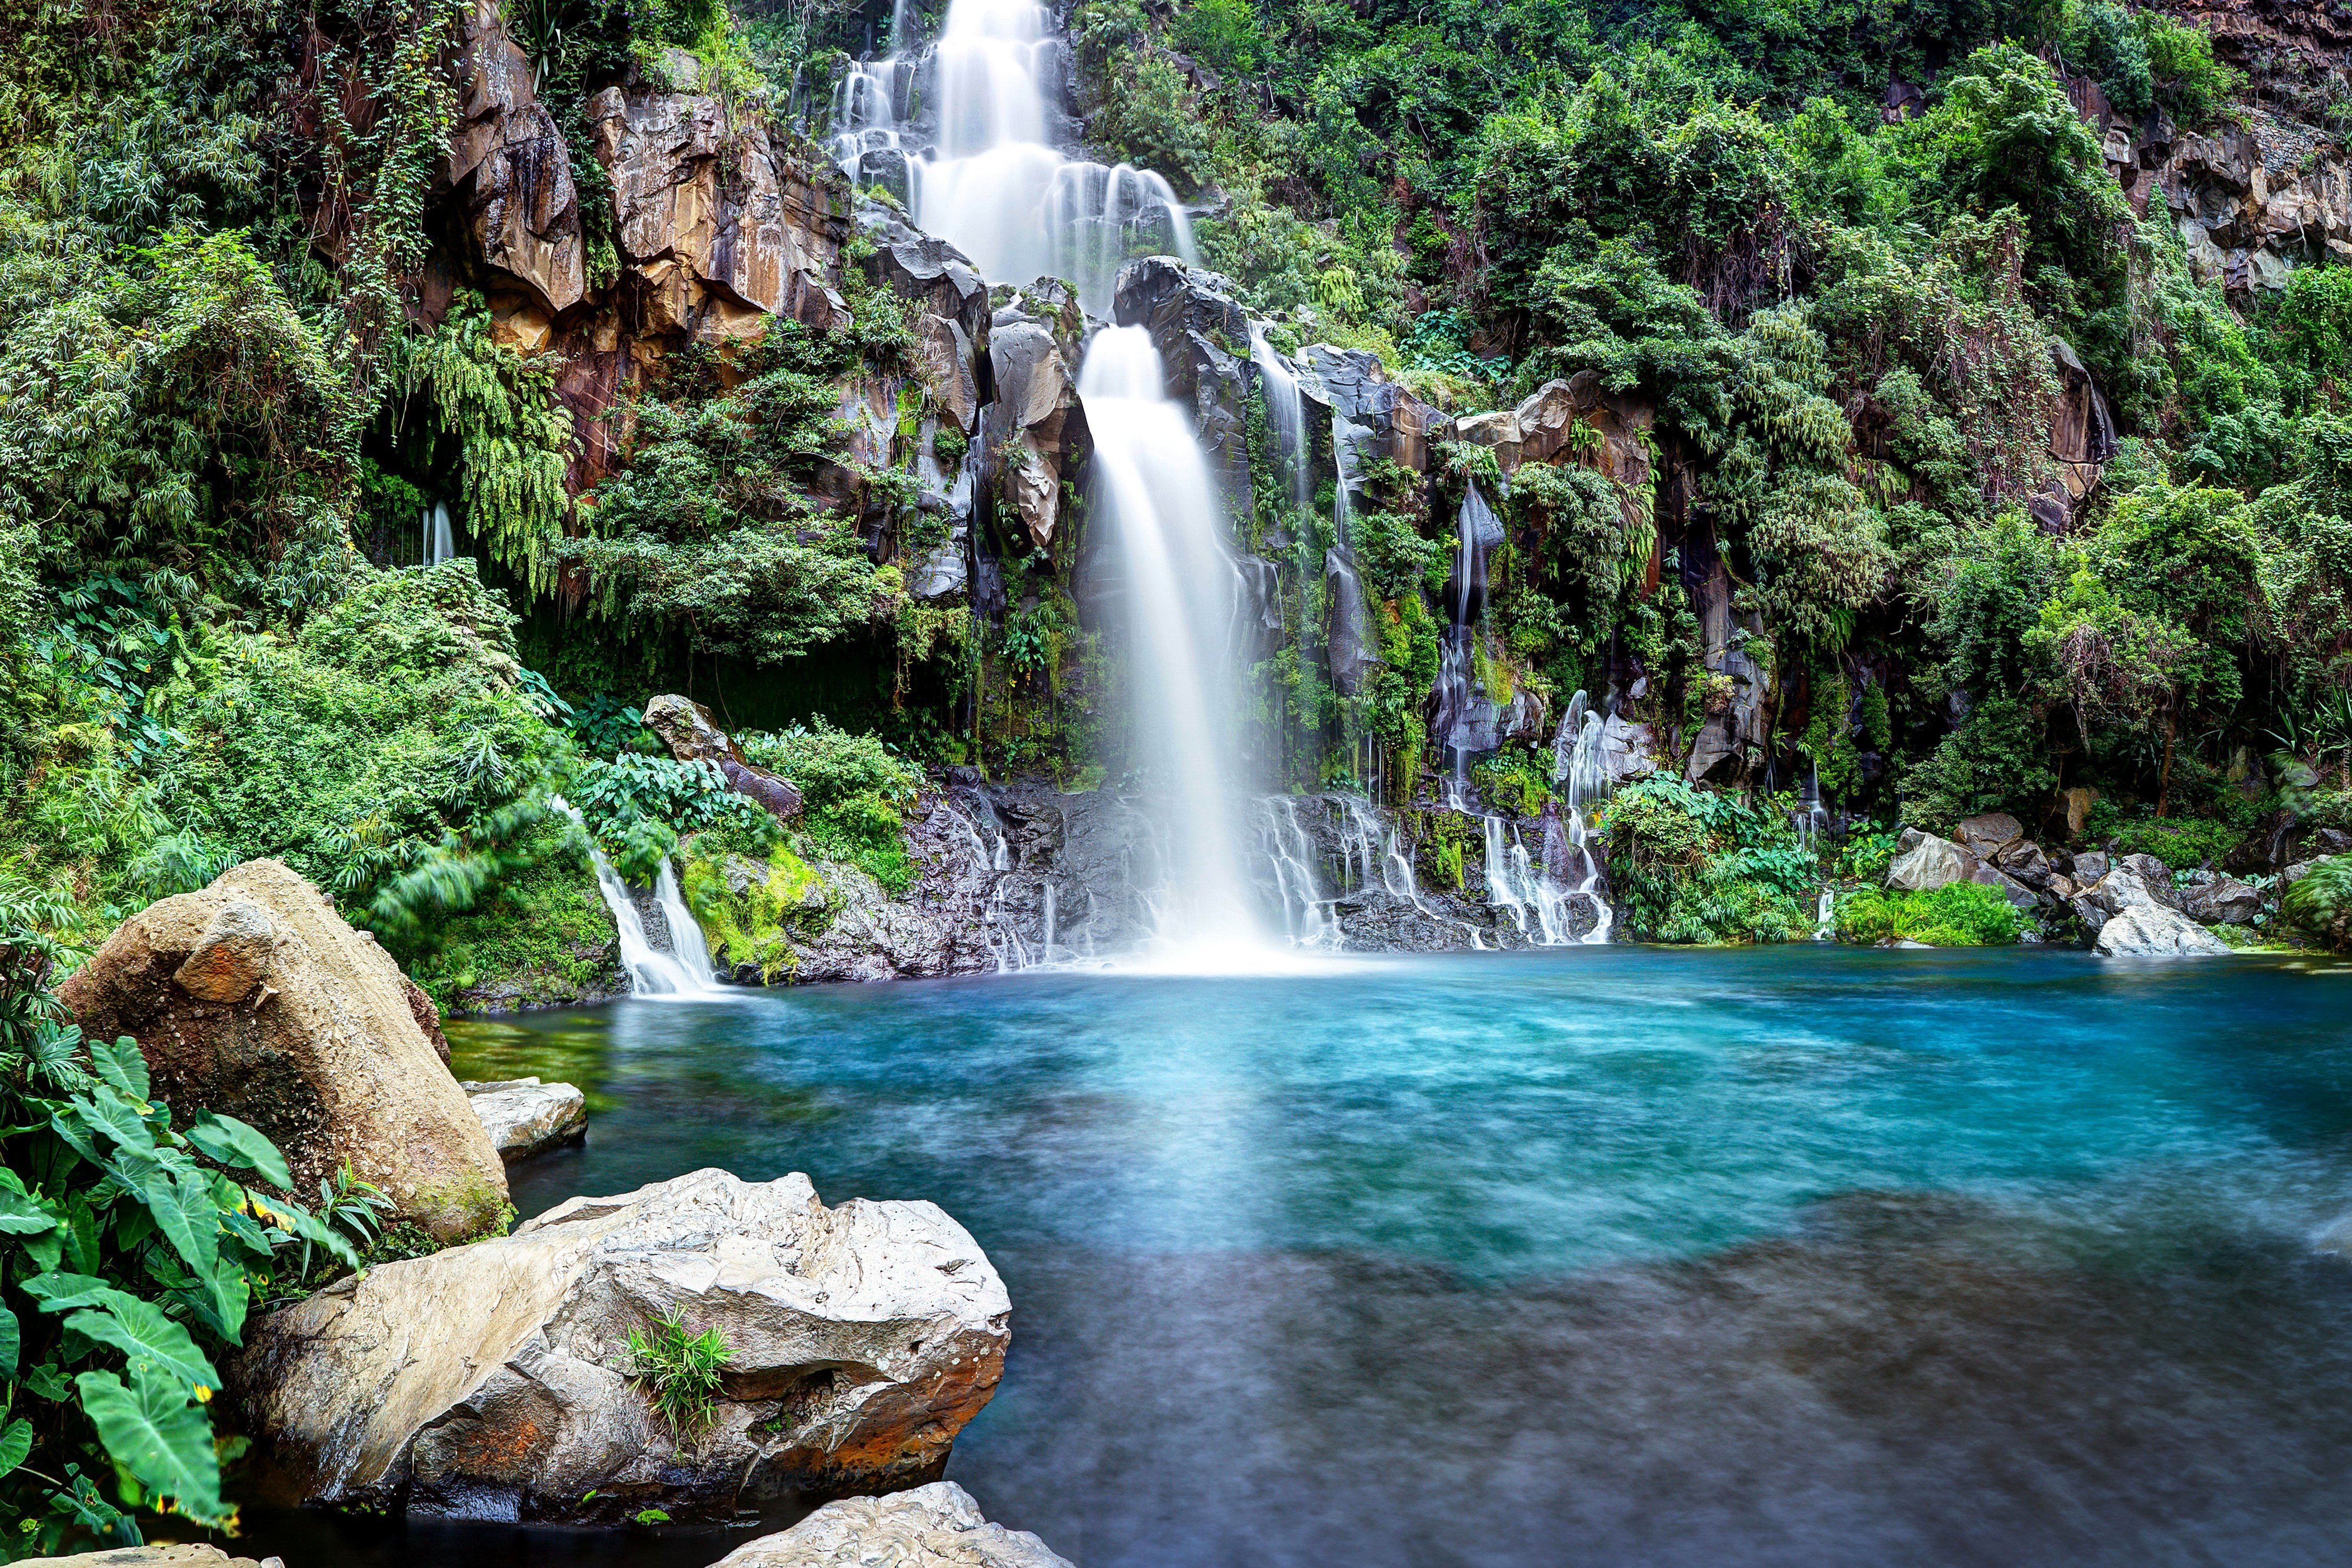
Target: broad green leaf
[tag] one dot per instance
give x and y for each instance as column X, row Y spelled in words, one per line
column 68, row 1124
column 186, row 1219
column 143, row 1334
column 79, row 1233
column 123, row 1064
column 12, row 1341
column 44, row 1250
column 64, row 1292
column 226, row 1299
column 231, row 1143
column 15, row 1445
column 154, row 1431
column 114, row 1116
column 23, row 1215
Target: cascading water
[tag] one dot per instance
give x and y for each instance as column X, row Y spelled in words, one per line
column 1465, row 720
column 1283, row 846
column 994, row 181
column 652, row 973
column 440, row 540
column 1285, row 412
column 1581, row 776
column 1181, row 592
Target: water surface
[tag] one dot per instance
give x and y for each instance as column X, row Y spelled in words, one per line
column 1623, row 1255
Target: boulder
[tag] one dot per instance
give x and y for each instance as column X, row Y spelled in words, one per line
column 1034, row 425
column 2151, row 930
column 525, row 1117
column 937, row 1526
column 2156, row 877
column 190, row 1556
column 2018, row 895
column 253, row 999
column 2213, row 897
column 1922, row 862
column 2097, row 903
column 2088, row 868
column 693, row 736
column 495, row 1380
column 1987, row 835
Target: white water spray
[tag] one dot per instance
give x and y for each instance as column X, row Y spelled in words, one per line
column 686, row 972
column 440, row 540
column 1181, row 595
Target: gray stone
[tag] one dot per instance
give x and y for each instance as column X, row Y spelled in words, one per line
column 694, row 736
column 525, row 1117
column 936, row 1526
column 190, row 1556
column 2156, row 877
column 494, row 1381
column 1987, row 835
column 2088, row 868
column 2099, row 903
column 1922, row 862
column 2151, row 930
column 2213, row 897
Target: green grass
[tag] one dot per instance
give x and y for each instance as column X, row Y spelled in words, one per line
column 680, row 1371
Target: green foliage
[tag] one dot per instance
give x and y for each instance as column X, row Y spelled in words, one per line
column 1694, row 865
column 854, row 790
column 133, row 1253
column 2320, row 903
column 681, row 1372
column 1959, row 914
column 1516, row 780
column 2183, row 843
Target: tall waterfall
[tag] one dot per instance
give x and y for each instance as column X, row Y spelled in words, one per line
column 1181, row 592
column 994, row 180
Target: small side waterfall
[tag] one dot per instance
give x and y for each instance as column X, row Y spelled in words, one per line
column 1286, row 414
column 1465, row 720
column 1580, row 777
column 1182, row 591
column 652, row 973
column 440, row 540
column 1283, row 844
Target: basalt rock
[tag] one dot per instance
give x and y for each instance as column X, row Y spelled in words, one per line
column 693, row 736
column 1987, row 835
column 1202, row 337
column 937, row 1526
column 255, row 999
column 2213, row 897
column 1035, row 428
column 721, row 228
column 513, row 171
column 495, row 1380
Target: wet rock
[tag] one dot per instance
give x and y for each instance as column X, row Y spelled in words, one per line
column 301, row 1026
column 493, row 1381
column 1987, row 835
column 513, row 171
column 2151, row 930
column 1035, row 426
column 525, row 1117
column 719, row 228
column 1924, row 862
column 1629, row 749
column 919, row 268
column 936, row 1526
column 693, row 736
column 2156, row 877
column 1202, row 337
column 2213, row 898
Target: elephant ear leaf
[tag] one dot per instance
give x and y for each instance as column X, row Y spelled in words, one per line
column 12, row 1342
column 15, row 1445
column 228, row 1142
column 146, row 1337
column 123, row 1064
column 21, row 1214
column 152, row 1430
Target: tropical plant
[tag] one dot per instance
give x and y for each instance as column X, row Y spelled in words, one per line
column 680, row 1371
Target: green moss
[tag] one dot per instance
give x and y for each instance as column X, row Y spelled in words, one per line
column 539, row 939
column 756, row 924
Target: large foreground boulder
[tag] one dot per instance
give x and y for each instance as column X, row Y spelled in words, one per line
column 191, row 1556
column 253, row 998
column 495, row 1380
column 937, row 1526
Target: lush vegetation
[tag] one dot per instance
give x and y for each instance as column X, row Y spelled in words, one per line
column 134, row 1244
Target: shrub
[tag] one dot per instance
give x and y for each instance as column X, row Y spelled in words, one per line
column 681, row 1372
column 1959, row 914
column 1696, row 867
column 2320, row 903
column 854, row 791
column 2182, row 843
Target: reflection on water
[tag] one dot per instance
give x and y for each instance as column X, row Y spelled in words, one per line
column 1604, row 1257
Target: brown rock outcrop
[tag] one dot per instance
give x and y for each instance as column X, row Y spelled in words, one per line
column 1036, row 425
column 253, row 998
column 512, row 168
column 693, row 736
column 719, row 229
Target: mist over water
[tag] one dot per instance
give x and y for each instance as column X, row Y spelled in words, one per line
column 1603, row 1255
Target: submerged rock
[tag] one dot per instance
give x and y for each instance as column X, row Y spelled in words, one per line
column 495, row 1380
column 254, row 998
column 2150, row 930
column 936, row 1526
column 525, row 1117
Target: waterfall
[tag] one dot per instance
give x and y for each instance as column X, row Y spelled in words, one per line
column 1285, row 415
column 652, row 973
column 1580, row 776
column 1306, row 915
column 1465, row 720
column 994, row 181
column 1181, row 592
column 440, row 543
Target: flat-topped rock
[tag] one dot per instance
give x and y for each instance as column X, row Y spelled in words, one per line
column 192, row 1556
column 2151, row 930
column 525, row 1117
column 937, row 1526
